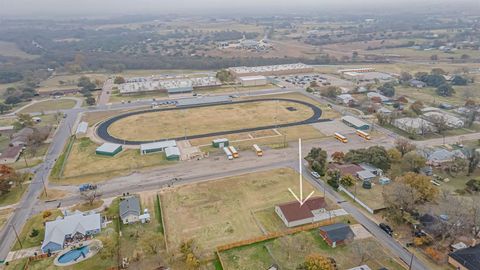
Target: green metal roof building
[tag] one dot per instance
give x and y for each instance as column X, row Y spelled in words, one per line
column 355, row 123
column 108, row 149
column 220, row 143
column 172, row 153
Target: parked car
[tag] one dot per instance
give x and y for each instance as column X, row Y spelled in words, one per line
column 315, row 174
column 386, row 228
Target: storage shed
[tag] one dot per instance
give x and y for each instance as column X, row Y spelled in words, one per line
column 355, row 122
column 156, row 146
column 172, row 153
column 108, row 149
column 81, row 130
column 220, row 143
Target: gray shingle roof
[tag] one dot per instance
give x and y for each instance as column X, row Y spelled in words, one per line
column 337, row 231
column 129, row 205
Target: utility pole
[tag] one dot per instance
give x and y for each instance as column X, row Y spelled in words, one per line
column 44, row 187
column 411, row 262
column 18, row 238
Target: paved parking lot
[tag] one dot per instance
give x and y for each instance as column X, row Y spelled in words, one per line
column 330, row 127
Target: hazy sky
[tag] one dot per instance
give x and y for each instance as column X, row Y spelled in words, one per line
column 129, row 7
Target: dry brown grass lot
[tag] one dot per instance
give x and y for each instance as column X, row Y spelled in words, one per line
column 83, row 165
column 49, row 105
column 219, row 212
column 171, row 124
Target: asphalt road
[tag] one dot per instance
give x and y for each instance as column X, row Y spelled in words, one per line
column 387, row 241
column 102, row 130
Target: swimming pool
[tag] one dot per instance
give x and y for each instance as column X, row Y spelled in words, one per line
column 74, row 254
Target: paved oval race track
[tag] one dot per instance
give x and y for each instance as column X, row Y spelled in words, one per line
column 102, row 130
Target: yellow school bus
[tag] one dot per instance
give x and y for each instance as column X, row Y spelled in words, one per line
column 363, row 134
column 340, row 137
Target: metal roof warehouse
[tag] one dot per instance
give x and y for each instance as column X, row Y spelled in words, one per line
column 355, row 122
column 156, row 146
column 108, row 149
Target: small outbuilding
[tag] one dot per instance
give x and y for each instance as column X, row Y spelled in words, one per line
column 366, row 175
column 147, row 148
column 355, row 122
column 81, row 130
column 220, row 143
column 108, row 149
column 129, row 209
column 172, row 153
column 336, row 234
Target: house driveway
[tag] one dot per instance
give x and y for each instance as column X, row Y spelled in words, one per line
column 23, row 253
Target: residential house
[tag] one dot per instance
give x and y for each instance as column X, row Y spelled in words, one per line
column 417, row 83
column 129, row 209
column 70, row 229
column 336, row 234
column 449, row 120
column 366, row 175
column 344, row 169
column 369, row 167
column 382, row 98
column 465, row 259
column 21, row 137
column 10, row 154
column 294, row 214
column 345, row 99
column 416, row 125
column 440, row 156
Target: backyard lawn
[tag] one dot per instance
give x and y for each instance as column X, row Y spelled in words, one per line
column 290, row 251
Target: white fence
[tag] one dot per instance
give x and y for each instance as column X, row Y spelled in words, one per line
column 370, row 210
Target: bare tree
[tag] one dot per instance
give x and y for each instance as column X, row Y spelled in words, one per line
column 90, row 196
column 404, row 146
column 440, row 123
column 455, row 217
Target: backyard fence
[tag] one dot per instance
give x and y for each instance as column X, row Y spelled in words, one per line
column 274, row 235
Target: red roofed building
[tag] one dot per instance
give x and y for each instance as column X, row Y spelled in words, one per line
column 293, row 214
column 345, row 169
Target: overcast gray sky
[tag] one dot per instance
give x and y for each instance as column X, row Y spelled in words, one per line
column 129, row 7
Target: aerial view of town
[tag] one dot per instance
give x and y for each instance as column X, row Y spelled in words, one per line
column 251, row 135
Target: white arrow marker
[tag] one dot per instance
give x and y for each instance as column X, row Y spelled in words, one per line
column 300, row 200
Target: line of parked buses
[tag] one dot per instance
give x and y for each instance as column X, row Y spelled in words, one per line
column 232, row 153
column 344, row 139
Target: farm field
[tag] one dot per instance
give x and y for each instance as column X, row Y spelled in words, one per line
column 194, row 121
column 10, row 49
column 49, row 105
column 290, row 251
column 219, row 211
column 83, row 165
